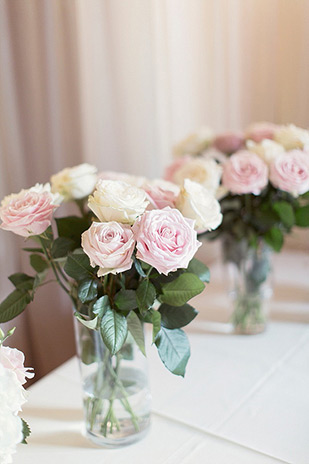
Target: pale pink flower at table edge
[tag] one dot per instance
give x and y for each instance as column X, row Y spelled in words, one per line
column 110, row 246
column 13, row 359
column 165, row 239
column 160, row 193
column 245, row 172
column 259, row 131
column 28, row 212
column 290, row 172
column 229, row 142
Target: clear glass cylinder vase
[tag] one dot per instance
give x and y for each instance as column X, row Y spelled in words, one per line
column 249, row 283
column 116, row 395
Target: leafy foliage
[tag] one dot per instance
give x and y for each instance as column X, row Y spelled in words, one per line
column 268, row 216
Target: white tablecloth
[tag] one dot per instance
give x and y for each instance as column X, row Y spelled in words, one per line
column 244, row 400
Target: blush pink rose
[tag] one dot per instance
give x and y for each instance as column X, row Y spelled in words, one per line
column 161, row 193
column 229, row 142
column 165, row 239
column 28, row 212
column 13, row 359
column 110, row 246
column 260, row 131
column 245, row 172
column 290, row 172
column 174, row 167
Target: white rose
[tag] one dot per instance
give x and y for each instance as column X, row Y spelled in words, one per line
column 195, row 202
column 195, row 143
column 10, row 435
column 75, row 183
column 117, row 201
column 292, row 137
column 12, row 393
column 203, row 171
column 268, row 150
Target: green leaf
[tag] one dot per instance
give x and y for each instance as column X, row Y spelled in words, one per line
column 62, row 246
column 145, row 295
column 156, row 324
column 126, row 300
column 114, row 330
column 72, row 227
column 78, row 266
column 136, row 330
column 101, row 305
column 13, row 305
column 34, row 250
column 138, row 267
column 302, row 216
column 182, row 289
column 274, row 238
column 174, row 350
column 39, row 279
column 25, row 431
column 89, row 323
column 38, row 263
column 22, row 281
column 285, row 212
column 198, row 268
column 87, row 290
column 174, row 317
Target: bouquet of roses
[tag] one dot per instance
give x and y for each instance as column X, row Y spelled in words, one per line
column 13, row 429
column 125, row 260
column 261, row 177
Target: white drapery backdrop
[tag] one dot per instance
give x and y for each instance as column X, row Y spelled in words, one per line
column 116, row 83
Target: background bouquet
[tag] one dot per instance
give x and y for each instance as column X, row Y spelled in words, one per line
column 261, row 178
column 126, row 260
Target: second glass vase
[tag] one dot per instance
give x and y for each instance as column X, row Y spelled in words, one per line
column 249, row 271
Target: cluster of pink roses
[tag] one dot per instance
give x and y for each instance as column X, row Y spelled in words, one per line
column 246, row 172
column 264, row 153
column 156, row 219
column 163, row 238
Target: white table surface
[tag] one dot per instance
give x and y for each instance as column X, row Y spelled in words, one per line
column 244, row 400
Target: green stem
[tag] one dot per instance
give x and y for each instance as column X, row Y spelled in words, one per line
column 124, row 400
column 48, row 257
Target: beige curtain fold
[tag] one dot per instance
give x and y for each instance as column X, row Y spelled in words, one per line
column 116, row 83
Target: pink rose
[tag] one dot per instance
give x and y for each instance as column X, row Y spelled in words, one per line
column 290, row 172
column 165, row 239
column 161, row 193
column 110, row 246
column 28, row 212
column 172, row 168
column 260, row 131
column 245, row 172
column 13, row 359
column 229, row 142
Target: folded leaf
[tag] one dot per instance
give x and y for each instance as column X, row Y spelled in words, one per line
column 174, row 350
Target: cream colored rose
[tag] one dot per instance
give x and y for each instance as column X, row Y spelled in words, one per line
column 195, row 202
column 195, row 143
column 291, row 137
column 203, row 171
column 268, row 150
column 75, row 183
column 118, row 201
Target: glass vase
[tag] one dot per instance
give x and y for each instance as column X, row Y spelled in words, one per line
column 248, row 276
column 116, row 396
